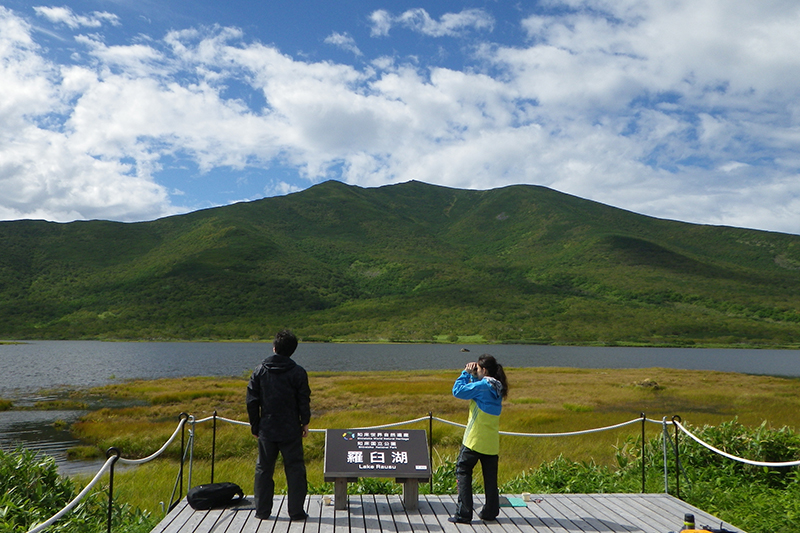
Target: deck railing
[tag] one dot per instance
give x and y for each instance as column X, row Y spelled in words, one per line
column 113, row 455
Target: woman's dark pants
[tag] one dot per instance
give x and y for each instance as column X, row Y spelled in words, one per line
column 467, row 459
column 295, row 468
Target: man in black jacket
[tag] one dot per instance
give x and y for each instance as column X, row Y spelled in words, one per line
column 279, row 408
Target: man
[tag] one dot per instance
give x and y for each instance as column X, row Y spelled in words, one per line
column 279, row 408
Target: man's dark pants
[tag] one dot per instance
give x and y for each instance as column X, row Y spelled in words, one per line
column 295, row 468
column 467, row 459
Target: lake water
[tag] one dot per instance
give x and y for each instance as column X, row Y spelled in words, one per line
column 29, row 368
column 32, row 366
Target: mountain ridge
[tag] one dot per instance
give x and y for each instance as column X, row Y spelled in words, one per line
column 410, row 262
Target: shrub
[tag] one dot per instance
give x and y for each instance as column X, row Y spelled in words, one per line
column 757, row 499
column 32, row 491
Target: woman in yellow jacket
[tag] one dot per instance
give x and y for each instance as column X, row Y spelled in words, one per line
column 484, row 384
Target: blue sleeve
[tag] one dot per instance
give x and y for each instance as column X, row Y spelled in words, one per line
column 465, row 388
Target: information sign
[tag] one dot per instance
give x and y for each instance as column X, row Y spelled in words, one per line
column 398, row 453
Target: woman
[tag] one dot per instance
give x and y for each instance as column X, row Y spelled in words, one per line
column 484, row 384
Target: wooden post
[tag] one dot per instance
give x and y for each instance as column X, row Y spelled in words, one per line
column 340, row 493
column 410, row 493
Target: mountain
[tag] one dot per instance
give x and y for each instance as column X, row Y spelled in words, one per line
column 410, row 262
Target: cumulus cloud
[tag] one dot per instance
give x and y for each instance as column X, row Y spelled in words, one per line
column 418, row 20
column 44, row 170
column 683, row 110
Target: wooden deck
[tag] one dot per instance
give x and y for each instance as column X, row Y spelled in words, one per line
column 550, row 513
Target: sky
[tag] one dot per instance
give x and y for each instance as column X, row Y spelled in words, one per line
column 132, row 110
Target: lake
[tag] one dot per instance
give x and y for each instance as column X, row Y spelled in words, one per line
column 32, row 367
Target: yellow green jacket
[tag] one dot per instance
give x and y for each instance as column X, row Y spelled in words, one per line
column 486, row 402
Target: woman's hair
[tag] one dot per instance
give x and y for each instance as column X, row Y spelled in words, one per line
column 494, row 370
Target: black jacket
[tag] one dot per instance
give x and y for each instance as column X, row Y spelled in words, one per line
column 278, row 399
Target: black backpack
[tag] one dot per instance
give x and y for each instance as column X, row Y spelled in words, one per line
column 203, row 497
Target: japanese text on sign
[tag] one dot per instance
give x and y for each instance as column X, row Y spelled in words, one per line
column 400, row 453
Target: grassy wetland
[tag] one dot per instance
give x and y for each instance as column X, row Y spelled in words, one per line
column 541, row 400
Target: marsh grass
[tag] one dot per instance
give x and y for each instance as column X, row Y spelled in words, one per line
column 56, row 405
column 541, row 400
column 84, row 453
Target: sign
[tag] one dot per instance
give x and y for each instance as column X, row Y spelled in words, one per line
column 399, row 453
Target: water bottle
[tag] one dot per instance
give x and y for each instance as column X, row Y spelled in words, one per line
column 688, row 522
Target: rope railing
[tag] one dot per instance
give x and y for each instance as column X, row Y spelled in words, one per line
column 229, row 420
column 108, row 466
column 457, row 424
column 56, row 517
column 322, row 430
column 563, row 434
column 733, row 457
column 384, row 426
column 160, row 450
column 510, row 433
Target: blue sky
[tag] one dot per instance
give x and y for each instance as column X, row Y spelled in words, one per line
column 137, row 109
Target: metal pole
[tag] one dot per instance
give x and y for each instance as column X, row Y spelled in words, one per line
column 430, row 446
column 115, row 452
column 191, row 450
column 677, row 458
column 644, row 419
column 182, row 416
column 664, row 437
column 213, row 445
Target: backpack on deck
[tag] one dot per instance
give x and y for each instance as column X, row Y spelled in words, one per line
column 203, row 497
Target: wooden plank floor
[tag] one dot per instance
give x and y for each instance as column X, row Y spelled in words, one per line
column 546, row 513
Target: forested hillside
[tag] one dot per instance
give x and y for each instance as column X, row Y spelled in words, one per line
column 409, row 262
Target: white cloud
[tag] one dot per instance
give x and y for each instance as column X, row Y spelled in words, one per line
column 418, row 20
column 45, row 176
column 699, row 48
column 65, row 15
column 732, row 166
column 381, row 23
column 343, row 41
column 136, row 60
column 44, row 172
column 684, row 110
column 280, row 188
column 27, row 88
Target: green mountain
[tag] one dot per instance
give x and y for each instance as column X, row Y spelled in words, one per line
column 411, row 262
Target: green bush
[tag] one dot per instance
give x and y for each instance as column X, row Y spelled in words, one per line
column 757, row 499
column 31, row 491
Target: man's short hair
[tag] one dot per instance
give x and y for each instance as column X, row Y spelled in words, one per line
column 285, row 343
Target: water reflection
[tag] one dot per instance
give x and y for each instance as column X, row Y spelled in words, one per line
column 45, row 432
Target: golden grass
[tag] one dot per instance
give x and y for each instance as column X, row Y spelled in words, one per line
column 541, row 400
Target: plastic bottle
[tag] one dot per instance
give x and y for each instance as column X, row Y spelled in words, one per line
column 688, row 522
